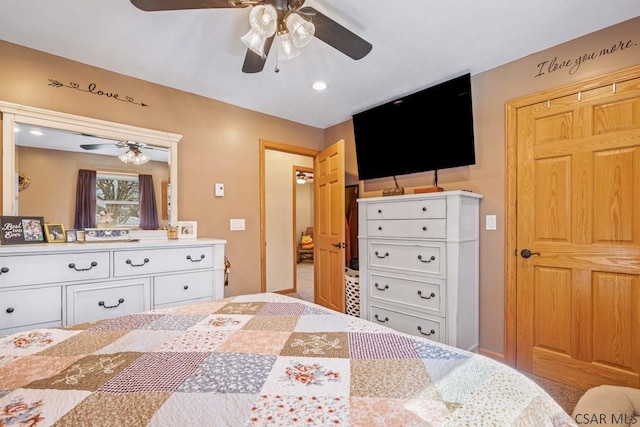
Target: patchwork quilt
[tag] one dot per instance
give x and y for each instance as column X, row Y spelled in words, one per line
column 256, row 360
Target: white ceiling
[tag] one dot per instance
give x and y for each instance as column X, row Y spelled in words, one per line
column 416, row 44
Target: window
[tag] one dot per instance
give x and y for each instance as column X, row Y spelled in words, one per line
column 117, row 200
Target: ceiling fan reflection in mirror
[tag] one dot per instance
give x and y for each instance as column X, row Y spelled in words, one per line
column 134, row 153
column 286, row 22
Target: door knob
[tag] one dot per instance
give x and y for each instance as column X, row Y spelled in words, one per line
column 339, row 245
column 526, row 253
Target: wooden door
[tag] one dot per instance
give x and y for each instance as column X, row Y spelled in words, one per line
column 329, row 227
column 578, row 213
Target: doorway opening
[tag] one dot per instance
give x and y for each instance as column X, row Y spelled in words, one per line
column 303, row 221
column 279, row 227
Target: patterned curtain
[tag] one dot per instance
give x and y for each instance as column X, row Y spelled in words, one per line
column 148, row 208
column 85, row 216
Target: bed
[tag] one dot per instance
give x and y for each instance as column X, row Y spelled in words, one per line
column 260, row 359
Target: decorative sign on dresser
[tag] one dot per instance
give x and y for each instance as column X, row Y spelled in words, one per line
column 50, row 285
column 21, row 229
column 418, row 260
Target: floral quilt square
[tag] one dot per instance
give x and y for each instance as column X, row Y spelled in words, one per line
column 302, row 376
column 321, row 344
column 88, row 373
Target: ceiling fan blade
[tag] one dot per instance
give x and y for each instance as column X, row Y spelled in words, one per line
column 335, row 35
column 157, row 5
column 95, row 146
column 254, row 63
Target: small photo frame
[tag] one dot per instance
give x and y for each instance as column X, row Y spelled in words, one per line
column 21, row 229
column 55, row 233
column 72, row 236
column 187, row 229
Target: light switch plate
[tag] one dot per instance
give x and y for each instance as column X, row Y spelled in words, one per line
column 490, row 222
column 236, row 224
column 219, row 189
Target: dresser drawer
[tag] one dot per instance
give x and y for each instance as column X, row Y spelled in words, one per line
column 96, row 301
column 422, row 257
column 137, row 262
column 182, row 287
column 427, row 327
column 30, row 307
column 414, row 228
column 53, row 268
column 408, row 209
column 419, row 294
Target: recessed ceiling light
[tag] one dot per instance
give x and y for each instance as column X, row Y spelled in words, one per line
column 36, row 132
column 319, row 85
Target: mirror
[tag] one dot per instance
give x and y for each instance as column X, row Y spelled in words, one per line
column 63, row 136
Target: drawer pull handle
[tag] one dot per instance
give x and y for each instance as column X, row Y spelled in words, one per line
column 146, row 260
column 432, row 295
column 185, row 287
column 381, row 289
column 431, row 332
column 380, row 228
column 386, row 319
column 424, row 228
column 4, row 270
column 424, row 209
column 120, row 301
column 195, row 260
column 93, row 264
column 386, row 254
column 379, row 211
column 10, row 310
column 429, row 260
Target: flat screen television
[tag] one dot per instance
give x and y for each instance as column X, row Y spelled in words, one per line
column 428, row 130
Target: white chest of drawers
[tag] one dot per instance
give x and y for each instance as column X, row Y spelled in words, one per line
column 43, row 285
column 418, row 259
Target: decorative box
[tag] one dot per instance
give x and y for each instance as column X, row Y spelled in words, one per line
column 106, row 234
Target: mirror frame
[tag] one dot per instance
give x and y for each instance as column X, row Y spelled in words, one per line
column 16, row 113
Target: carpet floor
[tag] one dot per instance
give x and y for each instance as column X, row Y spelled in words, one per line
column 565, row 395
column 304, row 280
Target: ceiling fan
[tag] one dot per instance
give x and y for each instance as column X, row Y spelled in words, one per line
column 133, row 154
column 285, row 20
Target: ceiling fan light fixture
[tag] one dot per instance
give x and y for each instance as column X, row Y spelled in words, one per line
column 301, row 30
column 301, row 178
column 134, row 156
column 140, row 159
column 286, row 48
column 264, row 20
column 254, row 41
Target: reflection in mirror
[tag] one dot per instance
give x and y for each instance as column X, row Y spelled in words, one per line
column 53, row 175
column 50, row 157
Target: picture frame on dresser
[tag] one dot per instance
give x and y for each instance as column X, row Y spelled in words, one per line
column 187, row 229
column 55, row 233
column 21, row 230
column 71, row 235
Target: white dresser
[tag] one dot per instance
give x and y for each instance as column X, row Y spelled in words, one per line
column 418, row 259
column 54, row 284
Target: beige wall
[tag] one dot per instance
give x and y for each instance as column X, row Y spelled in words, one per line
column 221, row 144
column 491, row 90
